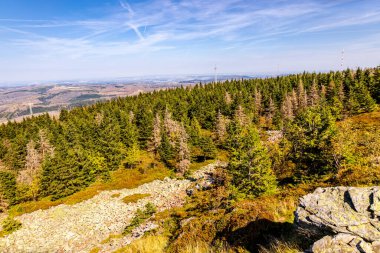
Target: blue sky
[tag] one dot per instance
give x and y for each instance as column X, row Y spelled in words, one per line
column 44, row 40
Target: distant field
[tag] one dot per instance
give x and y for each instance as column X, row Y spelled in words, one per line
column 16, row 103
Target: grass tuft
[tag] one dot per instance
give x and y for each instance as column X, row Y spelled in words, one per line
column 134, row 198
column 147, row 244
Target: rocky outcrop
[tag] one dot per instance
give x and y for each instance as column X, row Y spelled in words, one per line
column 84, row 226
column 344, row 243
column 349, row 216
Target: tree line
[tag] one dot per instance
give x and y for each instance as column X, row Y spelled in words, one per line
column 44, row 156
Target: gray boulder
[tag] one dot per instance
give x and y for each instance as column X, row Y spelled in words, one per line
column 342, row 243
column 352, row 214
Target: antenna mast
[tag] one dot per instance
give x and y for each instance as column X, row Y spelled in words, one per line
column 31, row 109
column 215, row 74
column 342, row 60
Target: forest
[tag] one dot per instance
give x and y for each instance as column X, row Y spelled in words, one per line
column 274, row 131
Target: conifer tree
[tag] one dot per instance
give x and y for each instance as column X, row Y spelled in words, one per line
column 310, row 134
column 45, row 148
column 7, row 188
column 323, row 94
column 271, row 111
column 375, row 87
column 221, row 130
column 258, row 102
column 249, row 164
column 294, row 99
column 194, row 131
column 132, row 156
column 32, row 164
column 302, row 95
column 360, row 99
column 287, row 108
column 314, row 94
column 331, row 91
column 156, row 138
column 341, row 93
column 99, row 118
column 240, row 116
column 183, row 153
column 166, row 150
column 227, row 98
column 131, row 117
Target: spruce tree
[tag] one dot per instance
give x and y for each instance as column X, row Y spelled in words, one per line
column 310, row 134
column 249, row 163
column 360, row 99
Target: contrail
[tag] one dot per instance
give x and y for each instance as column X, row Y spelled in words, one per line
column 136, row 30
column 127, row 7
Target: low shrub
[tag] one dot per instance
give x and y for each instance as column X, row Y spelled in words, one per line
column 10, row 225
column 140, row 217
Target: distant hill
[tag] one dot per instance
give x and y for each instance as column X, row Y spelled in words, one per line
column 19, row 101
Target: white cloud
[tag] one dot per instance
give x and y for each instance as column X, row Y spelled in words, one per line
column 154, row 33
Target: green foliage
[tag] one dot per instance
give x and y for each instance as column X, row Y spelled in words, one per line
column 250, row 165
column 166, row 150
column 375, row 85
column 140, row 217
column 90, row 142
column 207, row 147
column 311, row 134
column 8, row 186
column 133, row 156
column 10, row 225
column 360, row 99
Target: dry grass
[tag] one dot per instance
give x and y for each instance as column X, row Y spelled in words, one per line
column 280, row 247
column 196, row 166
column 110, row 237
column 134, row 198
column 359, row 140
column 277, row 208
column 94, row 250
column 158, row 243
column 120, row 179
column 366, row 119
column 202, row 247
column 222, row 155
column 147, row 244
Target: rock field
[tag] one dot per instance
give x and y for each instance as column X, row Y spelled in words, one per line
column 83, row 226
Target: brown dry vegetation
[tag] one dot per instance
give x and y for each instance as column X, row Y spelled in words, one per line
column 210, row 221
column 134, row 198
column 359, row 141
column 147, row 244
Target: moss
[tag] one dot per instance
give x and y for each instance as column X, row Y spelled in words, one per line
column 134, row 198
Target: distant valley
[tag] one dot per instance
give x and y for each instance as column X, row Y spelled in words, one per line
column 17, row 102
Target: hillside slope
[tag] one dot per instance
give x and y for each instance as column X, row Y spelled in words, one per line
column 84, row 226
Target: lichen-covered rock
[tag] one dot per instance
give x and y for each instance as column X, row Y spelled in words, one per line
column 342, row 243
column 351, row 213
